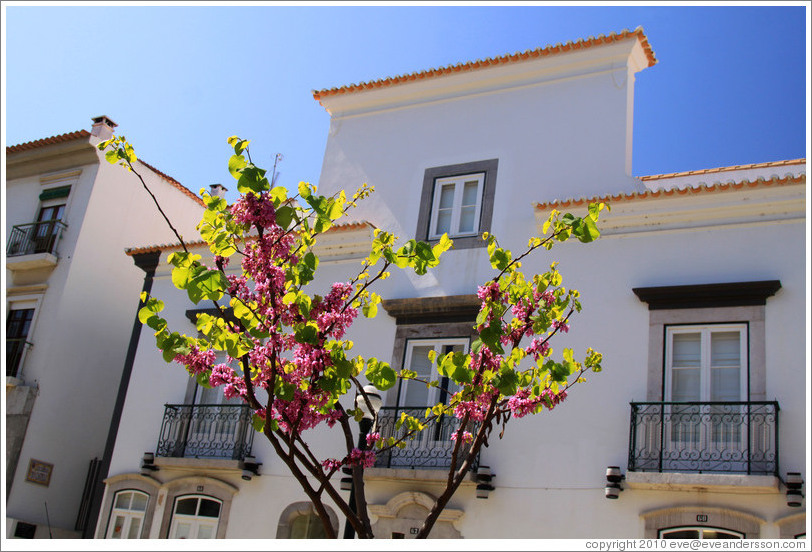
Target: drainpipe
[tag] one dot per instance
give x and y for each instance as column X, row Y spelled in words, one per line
column 147, row 262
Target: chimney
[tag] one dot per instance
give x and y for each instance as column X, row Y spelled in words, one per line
column 218, row 190
column 103, row 127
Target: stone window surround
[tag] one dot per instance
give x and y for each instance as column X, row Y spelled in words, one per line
column 792, row 525
column 297, row 509
column 685, row 516
column 164, row 495
column 489, row 167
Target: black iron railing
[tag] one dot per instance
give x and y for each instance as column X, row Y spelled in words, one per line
column 15, row 348
column 206, row 431
column 37, row 237
column 431, row 448
column 700, row 437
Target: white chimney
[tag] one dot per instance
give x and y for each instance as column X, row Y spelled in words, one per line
column 103, row 127
column 218, row 190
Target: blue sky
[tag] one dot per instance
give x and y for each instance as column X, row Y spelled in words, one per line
column 730, row 86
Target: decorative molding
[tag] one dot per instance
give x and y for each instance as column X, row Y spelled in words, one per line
column 422, row 310
column 733, row 294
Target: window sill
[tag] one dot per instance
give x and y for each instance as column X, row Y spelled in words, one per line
column 413, row 474
column 717, row 482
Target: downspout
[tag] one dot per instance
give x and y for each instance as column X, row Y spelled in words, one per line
column 147, row 262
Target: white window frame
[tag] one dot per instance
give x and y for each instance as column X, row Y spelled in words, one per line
column 128, row 514
column 438, row 345
column 196, row 520
column 459, row 186
column 705, row 369
column 700, row 529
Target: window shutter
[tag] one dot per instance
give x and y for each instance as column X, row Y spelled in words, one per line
column 55, row 193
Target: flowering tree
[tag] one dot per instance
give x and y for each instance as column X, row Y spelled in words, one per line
column 281, row 338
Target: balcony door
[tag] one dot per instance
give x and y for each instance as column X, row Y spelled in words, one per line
column 706, row 367
column 46, row 229
column 217, row 425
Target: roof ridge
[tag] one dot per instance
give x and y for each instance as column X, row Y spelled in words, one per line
column 801, row 160
column 506, row 58
column 50, row 140
column 674, row 192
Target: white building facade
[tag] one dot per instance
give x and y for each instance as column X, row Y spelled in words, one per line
column 71, row 295
column 694, row 294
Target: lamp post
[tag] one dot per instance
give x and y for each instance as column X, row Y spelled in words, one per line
column 365, row 425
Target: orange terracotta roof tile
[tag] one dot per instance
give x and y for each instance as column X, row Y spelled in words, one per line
column 177, row 247
column 42, row 142
column 174, row 183
column 801, row 161
column 674, row 192
column 501, row 60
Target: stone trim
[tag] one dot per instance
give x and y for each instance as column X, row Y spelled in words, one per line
column 734, row 294
column 300, row 509
column 198, row 486
column 421, row 310
column 489, row 167
column 791, row 525
column 406, row 510
column 686, row 516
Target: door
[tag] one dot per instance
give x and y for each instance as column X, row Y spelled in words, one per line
column 47, row 228
column 706, row 367
column 195, row 517
column 217, row 425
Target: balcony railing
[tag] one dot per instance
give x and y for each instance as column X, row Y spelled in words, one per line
column 37, row 237
column 431, row 448
column 15, row 350
column 206, row 431
column 701, row 437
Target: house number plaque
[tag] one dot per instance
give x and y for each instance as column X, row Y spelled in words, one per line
column 39, row 472
column 702, row 518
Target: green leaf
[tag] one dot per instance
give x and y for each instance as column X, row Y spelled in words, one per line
column 380, row 374
column 258, row 422
column 284, row 215
column 235, row 165
column 307, row 333
column 507, row 381
column 304, row 190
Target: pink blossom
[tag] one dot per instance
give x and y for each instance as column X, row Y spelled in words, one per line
column 331, row 464
column 365, row 458
column 561, row 325
column 197, row 361
column 373, row 438
column 467, row 437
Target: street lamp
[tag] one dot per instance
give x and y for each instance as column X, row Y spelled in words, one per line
column 365, row 425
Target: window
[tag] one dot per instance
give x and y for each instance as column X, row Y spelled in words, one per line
column 49, row 223
column 18, row 325
column 699, row 533
column 195, row 517
column 307, row 526
column 127, row 517
column 415, row 393
column 457, row 206
column 457, row 200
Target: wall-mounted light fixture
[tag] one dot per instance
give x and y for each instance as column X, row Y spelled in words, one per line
column 795, row 495
column 484, row 481
column 250, row 468
column 148, row 464
column 346, row 481
column 613, row 479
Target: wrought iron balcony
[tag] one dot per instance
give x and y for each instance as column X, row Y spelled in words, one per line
column 431, row 448
column 206, row 431
column 703, row 437
column 15, row 349
column 37, row 237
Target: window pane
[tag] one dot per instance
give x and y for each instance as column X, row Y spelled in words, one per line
column 469, row 193
column 209, row 508
column 182, row 530
column 725, row 349
column 187, row 506
column 686, row 350
column 447, row 196
column 139, row 502
column 467, row 219
column 205, row 531
column 443, row 225
column 135, row 528
column 685, row 384
column 123, row 501
column 725, row 384
column 681, row 534
column 712, row 534
column 117, row 527
column 298, row 528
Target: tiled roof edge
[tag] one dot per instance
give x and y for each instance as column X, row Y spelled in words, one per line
column 675, row 192
column 507, row 58
column 801, row 161
column 174, row 183
column 178, row 247
column 51, row 140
